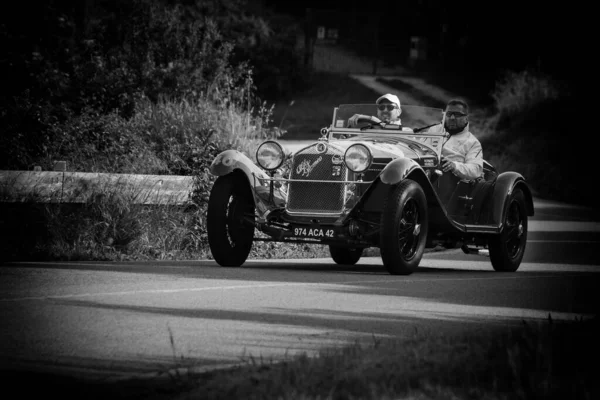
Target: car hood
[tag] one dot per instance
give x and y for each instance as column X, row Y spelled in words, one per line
column 392, row 147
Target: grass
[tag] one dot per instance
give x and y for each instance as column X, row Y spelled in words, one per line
column 532, row 360
column 545, row 360
column 109, row 227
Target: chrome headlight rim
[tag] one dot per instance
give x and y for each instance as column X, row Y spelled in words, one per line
column 279, row 149
column 366, row 165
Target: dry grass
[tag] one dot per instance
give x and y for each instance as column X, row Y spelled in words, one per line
column 533, row 360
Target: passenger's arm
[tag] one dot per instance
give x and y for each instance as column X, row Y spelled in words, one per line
column 472, row 168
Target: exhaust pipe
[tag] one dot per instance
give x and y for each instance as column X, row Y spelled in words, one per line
column 475, row 250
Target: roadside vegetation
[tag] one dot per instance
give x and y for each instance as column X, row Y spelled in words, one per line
column 532, row 360
column 535, row 360
column 162, row 94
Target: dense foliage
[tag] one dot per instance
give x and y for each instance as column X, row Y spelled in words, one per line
column 528, row 132
column 144, row 87
column 99, row 60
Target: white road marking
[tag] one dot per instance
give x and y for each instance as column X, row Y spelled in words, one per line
column 541, row 204
column 564, row 241
column 278, row 285
column 540, row 216
column 563, row 226
column 116, row 264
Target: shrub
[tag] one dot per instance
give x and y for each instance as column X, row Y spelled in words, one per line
column 519, row 92
column 103, row 67
column 270, row 46
column 532, row 103
column 534, row 115
column 166, row 137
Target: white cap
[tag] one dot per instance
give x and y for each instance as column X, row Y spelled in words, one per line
column 391, row 97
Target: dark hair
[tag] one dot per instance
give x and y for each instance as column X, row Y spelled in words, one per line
column 459, row 102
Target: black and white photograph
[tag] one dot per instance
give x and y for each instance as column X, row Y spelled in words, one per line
column 316, row 200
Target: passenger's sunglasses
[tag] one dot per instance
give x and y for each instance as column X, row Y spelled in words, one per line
column 455, row 114
column 389, row 107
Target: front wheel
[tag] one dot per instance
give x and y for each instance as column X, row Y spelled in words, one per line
column 345, row 255
column 404, row 227
column 229, row 220
column 507, row 248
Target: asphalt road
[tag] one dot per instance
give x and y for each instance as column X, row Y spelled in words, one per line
column 118, row 320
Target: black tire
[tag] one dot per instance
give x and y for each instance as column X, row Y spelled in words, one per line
column 230, row 239
column 345, row 255
column 404, row 227
column 507, row 248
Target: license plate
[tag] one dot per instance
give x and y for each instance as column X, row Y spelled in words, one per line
column 312, row 232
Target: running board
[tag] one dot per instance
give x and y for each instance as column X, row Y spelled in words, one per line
column 470, row 228
column 482, row 228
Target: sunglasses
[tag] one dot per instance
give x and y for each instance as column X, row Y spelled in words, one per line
column 389, row 107
column 455, row 114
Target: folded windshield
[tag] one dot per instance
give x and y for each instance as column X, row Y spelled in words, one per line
column 414, row 117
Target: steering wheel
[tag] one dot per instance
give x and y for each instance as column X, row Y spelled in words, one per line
column 361, row 118
column 374, row 120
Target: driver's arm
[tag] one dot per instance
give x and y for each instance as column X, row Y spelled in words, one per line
column 353, row 120
column 356, row 118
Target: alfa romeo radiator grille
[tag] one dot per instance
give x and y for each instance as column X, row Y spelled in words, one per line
column 317, row 197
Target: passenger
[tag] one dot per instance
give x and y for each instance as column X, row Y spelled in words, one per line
column 462, row 153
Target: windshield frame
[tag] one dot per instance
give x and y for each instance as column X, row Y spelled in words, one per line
column 411, row 116
column 424, row 115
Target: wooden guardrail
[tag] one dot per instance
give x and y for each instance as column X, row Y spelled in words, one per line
column 77, row 187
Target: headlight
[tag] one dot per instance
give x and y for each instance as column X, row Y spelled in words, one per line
column 358, row 158
column 270, row 155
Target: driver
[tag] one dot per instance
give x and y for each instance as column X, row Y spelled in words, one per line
column 388, row 111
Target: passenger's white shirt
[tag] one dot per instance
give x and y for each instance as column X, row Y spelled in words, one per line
column 465, row 149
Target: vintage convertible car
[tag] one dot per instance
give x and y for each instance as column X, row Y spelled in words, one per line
column 372, row 185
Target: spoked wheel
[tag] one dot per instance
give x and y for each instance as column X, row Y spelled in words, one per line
column 507, row 248
column 345, row 255
column 404, row 227
column 230, row 219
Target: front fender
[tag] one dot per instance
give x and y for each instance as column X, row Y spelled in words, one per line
column 505, row 184
column 403, row 169
column 397, row 170
column 232, row 160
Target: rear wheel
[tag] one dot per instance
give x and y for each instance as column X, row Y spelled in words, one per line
column 404, row 228
column 345, row 255
column 507, row 248
column 229, row 236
